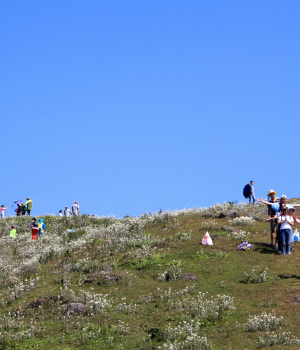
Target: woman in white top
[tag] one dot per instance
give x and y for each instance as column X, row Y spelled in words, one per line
column 286, row 222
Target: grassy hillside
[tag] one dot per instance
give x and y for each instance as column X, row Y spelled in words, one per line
column 128, row 274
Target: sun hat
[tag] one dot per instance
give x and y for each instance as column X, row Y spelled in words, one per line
column 76, row 202
column 290, row 206
column 270, row 192
column 283, row 196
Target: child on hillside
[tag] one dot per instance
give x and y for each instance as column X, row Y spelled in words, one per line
column 2, row 209
column 60, row 213
column 42, row 228
column 12, row 232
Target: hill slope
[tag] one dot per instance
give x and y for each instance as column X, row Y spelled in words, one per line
column 128, row 275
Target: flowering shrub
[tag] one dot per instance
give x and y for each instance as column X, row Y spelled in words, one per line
column 127, row 308
column 182, row 331
column 203, row 309
column 208, row 225
column 172, row 273
column 238, row 236
column 192, row 342
column 264, row 322
column 256, row 276
column 273, row 339
column 242, row 221
column 121, row 328
column 94, row 302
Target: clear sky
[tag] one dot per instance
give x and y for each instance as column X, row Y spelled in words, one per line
column 129, row 106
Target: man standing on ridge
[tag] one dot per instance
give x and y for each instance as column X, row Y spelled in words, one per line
column 248, row 192
column 29, row 205
column 75, row 208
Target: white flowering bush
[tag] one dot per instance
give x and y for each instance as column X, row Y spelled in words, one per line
column 192, row 342
column 202, row 308
column 127, row 308
column 209, row 225
column 238, row 236
column 264, row 322
column 257, row 275
column 95, row 303
column 271, row 339
column 182, row 331
column 121, row 328
column 242, row 221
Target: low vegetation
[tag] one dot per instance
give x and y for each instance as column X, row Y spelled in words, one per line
column 148, row 283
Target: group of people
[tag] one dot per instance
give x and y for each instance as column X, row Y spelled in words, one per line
column 280, row 215
column 23, row 208
column 282, row 219
column 68, row 212
column 37, row 229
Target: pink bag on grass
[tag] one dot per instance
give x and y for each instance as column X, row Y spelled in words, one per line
column 207, row 239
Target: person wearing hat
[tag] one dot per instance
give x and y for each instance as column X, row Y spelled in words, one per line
column 75, row 208
column 272, row 213
column 276, row 205
column 29, row 205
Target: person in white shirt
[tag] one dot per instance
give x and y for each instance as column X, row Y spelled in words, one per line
column 75, row 208
column 60, row 213
column 286, row 221
column 67, row 212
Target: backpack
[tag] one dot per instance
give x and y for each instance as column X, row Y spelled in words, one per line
column 41, row 226
column 247, row 191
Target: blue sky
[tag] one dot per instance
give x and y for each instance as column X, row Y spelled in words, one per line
column 129, row 106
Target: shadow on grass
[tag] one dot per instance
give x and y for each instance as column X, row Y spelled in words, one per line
column 264, row 248
column 287, row 276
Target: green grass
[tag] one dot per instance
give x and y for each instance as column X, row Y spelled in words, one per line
column 150, row 305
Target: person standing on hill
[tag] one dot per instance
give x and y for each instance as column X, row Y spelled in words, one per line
column 67, row 212
column 29, row 205
column 41, row 227
column 2, row 209
column 286, row 221
column 75, row 208
column 272, row 213
column 33, row 223
column 34, row 228
column 249, row 192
